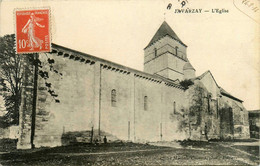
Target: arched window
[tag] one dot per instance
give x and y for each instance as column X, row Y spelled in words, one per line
column 174, row 107
column 113, row 98
column 155, row 52
column 145, row 102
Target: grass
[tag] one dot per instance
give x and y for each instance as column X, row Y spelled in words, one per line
column 254, row 150
column 191, row 153
column 7, row 144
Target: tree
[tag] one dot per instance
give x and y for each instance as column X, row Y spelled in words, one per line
column 183, row 120
column 10, row 80
column 197, row 104
column 199, row 108
column 11, row 75
column 191, row 117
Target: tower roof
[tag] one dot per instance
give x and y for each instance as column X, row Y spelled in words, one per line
column 164, row 30
column 188, row 66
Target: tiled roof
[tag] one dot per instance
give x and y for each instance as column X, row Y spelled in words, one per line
column 164, row 30
column 225, row 93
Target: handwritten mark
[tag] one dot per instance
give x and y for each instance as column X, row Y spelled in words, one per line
column 248, row 7
column 183, row 3
column 169, row 6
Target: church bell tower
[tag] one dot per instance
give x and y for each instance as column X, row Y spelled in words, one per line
column 165, row 55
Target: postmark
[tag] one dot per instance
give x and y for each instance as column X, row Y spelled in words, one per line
column 32, row 30
column 250, row 8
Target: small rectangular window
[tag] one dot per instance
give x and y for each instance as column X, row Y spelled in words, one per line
column 174, row 107
column 145, row 103
column 176, row 51
column 155, row 52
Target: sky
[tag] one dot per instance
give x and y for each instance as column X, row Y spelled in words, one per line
column 227, row 44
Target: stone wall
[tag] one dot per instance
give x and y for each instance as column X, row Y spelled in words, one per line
column 239, row 117
column 221, row 116
column 174, row 101
column 157, row 65
column 116, row 117
column 133, row 118
column 165, row 44
column 10, row 132
column 74, row 85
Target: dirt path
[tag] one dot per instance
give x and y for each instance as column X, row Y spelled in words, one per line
column 107, row 153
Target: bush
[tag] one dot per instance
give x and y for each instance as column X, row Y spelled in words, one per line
column 186, row 83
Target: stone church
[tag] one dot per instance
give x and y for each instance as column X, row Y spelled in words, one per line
column 100, row 98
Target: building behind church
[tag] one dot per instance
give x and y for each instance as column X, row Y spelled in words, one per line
column 98, row 98
column 254, row 123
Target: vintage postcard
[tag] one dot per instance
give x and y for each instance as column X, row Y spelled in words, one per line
column 165, row 82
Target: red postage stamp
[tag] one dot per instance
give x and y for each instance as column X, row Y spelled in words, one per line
column 33, row 31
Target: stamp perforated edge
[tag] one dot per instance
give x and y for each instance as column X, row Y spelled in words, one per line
column 15, row 33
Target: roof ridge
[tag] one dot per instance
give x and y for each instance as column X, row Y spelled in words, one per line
column 222, row 91
column 203, row 74
column 225, row 93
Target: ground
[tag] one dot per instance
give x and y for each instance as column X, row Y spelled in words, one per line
column 162, row 153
